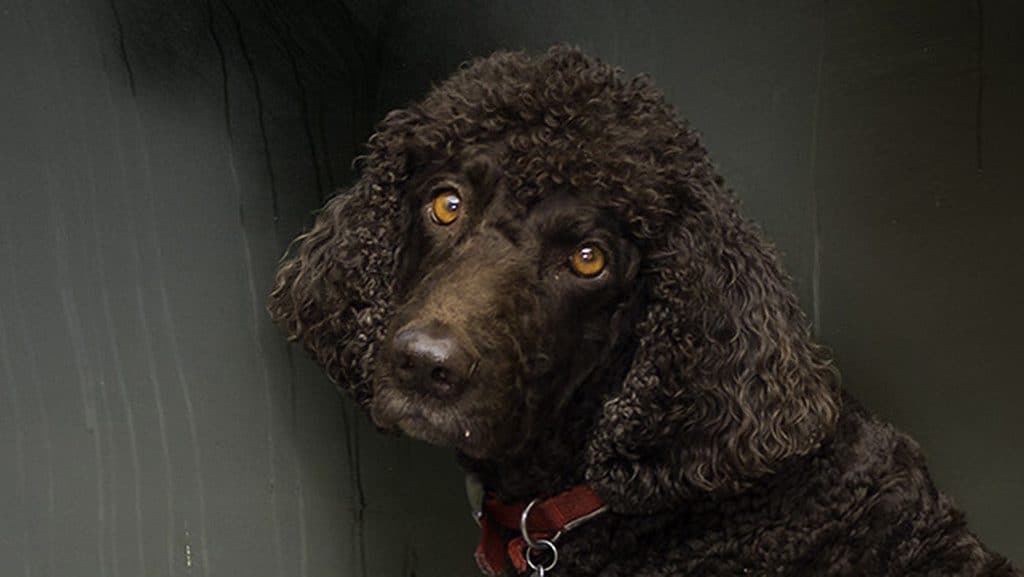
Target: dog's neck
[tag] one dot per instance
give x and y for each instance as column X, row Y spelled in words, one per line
column 539, row 469
column 553, row 459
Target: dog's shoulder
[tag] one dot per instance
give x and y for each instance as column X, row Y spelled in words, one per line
column 873, row 504
column 863, row 504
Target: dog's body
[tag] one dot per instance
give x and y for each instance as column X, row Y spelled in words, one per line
column 861, row 505
column 541, row 268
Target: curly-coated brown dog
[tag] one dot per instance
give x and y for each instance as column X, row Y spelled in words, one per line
column 540, row 267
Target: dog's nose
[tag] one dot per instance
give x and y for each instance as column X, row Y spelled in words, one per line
column 430, row 360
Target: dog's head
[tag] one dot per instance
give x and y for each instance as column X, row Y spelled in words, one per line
column 505, row 303
column 538, row 230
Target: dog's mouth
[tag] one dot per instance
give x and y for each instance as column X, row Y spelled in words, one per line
column 428, row 421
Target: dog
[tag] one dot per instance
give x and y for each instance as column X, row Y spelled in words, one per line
column 541, row 267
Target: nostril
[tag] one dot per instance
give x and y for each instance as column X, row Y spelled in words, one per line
column 440, row 374
column 405, row 361
column 440, row 386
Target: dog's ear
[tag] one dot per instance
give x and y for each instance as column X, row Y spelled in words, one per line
column 334, row 289
column 726, row 383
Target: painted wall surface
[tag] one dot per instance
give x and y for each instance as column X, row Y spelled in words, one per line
column 156, row 158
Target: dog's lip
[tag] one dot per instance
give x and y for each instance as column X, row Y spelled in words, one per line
column 420, row 427
column 391, row 412
column 388, row 415
column 430, row 426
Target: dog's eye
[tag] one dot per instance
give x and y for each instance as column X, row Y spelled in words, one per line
column 445, row 208
column 587, row 261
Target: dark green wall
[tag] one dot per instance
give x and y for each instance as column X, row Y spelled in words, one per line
column 156, row 157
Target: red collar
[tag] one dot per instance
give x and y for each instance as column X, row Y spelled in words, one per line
column 501, row 540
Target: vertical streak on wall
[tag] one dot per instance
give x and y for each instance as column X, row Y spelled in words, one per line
column 16, row 417
column 71, row 318
column 260, row 109
column 43, row 423
column 815, row 222
column 359, row 495
column 322, row 136
column 979, row 110
column 122, row 48
column 145, row 323
column 246, row 245
column 93, row 382
column 174, row 348
column 281, row 29
column 23, row 328
column 157, row 389
column 105, row 304
column 73, row 326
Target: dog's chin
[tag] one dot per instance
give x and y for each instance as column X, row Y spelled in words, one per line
column 395, row 411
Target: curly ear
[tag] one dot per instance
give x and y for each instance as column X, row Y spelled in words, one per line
column 333, row 291
column 726, row 383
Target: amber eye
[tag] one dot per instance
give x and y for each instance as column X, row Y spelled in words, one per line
column 445, row 208
column 587, row 261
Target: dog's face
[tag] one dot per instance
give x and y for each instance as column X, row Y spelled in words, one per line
column 504, row 307
column 541, row 245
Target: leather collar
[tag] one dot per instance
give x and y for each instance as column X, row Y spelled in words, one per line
column 502, row 540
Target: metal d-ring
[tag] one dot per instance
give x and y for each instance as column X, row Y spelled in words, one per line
column 542, row 568
column 539, row 544
column 522, row 526
column 526, row 534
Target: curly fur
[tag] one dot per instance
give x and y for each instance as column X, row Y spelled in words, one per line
column 716, row 430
